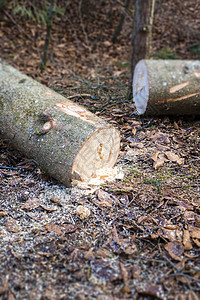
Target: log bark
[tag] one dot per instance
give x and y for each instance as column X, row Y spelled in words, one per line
column 167, row 87
column 66, row 140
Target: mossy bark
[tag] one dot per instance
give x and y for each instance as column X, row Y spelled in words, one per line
column 167, row 87
column 64, row 138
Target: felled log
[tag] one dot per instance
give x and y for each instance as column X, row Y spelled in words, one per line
column 167, row 87
column 66, row 140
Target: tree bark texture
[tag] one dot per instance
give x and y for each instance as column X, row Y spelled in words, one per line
column 167, row 87
column 66, row 140
column 142, row 28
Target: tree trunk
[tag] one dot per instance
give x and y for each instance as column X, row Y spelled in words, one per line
column 167, row 87
column 142, row 28
column 43, row 63
column 66, row 140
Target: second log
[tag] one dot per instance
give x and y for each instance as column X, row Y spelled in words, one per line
column 167, row 87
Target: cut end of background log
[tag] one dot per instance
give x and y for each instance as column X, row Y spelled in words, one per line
column 68, row 141
column 167, row 87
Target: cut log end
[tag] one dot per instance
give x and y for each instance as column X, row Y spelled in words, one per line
column 140, row 87
column 100, row 151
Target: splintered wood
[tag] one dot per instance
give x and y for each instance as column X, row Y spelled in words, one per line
column 167, row 87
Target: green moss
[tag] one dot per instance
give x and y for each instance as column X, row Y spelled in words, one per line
column 165, row 53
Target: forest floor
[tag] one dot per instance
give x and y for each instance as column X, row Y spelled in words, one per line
column 142, row 237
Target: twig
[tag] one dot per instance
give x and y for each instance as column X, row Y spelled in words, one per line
column 11, row 168
column 20, row 29
column 43, row 62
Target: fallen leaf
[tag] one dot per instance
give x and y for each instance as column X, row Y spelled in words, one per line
column 186, row 240
column 151, row 290
column 55, row 200
column 160, row 137
column 124, row 274
column 136, row 271
column 53, row 228
column 194, row 232
column 105, row 199
column 167, row 234
column 11, row 296
column 158, row 159
column 175, row 250
column 89, row 255
column 159, row 163
column 197, row 220
column 137, row 145
column 180, row 161
column 31, row 203
column 69, row 228
column 196, row 241
column 155, row 156
column 115, row 236
column 104, row 253
column 172, row 156
column 12, row 225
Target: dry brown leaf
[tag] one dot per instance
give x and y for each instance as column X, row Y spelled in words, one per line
column 176, row 125
column 31, row 203
column 103, row 252
column 167, row 234
column 189, row 216
column 69, row 228
column 172, row 156
column 105, row 199
column 115, row 236
column 156, row 291
column 197, row 220
column 11, row 296
column 53, row 228
column 136, row 271
column 124, row 274
column 12, row 225
column 180, row 161
column 175, row 250
column 155, row 156
column 196, row 241
column 134, row 130
column 159, row 163
column 89, row 255
column 137, row 145
column 160, row 137
column 3, row 213
column 194, row 232
column 186, row 240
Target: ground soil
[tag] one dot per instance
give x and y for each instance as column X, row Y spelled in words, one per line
column 140, row 235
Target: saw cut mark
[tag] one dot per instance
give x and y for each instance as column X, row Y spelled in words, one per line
column 178, row 87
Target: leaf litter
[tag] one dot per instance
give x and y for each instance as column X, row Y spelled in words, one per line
column 136, row 236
